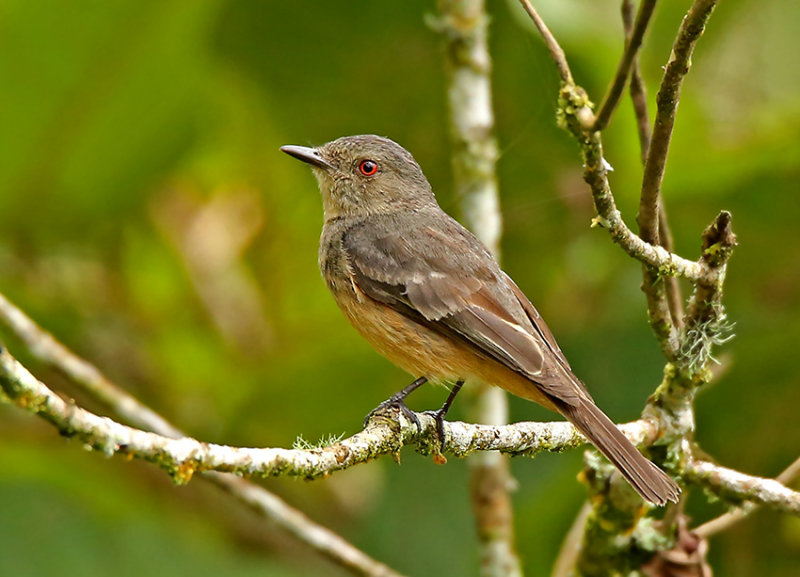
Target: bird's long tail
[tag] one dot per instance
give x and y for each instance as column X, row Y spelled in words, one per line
column 649, row 481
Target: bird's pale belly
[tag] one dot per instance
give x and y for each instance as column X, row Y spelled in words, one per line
column 423, row 352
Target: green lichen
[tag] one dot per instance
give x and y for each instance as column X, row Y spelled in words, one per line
column 573, row 105
column 301, row 444
column 698, row 341
column 667, row 269
column 649, row 536
column 183, row 473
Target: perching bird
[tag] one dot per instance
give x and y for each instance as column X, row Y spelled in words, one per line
column 430, row 297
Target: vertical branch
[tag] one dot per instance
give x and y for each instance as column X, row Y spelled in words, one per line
column 667, row 100
column 464, row 24
column 638, row 91
column 609, row 545
column 572, row 544
column 634, row 34
column 638, row 94
column 650, row 209
column 474, row 150
column 674, row 296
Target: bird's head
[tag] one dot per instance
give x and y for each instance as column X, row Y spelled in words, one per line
column 365, row 174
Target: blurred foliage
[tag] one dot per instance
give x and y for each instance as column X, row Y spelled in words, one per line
column 149, row 221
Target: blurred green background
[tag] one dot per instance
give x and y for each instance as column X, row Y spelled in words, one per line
column 149, row 221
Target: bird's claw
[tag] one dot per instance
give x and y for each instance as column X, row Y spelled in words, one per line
column 395, row 402
column 438, row 418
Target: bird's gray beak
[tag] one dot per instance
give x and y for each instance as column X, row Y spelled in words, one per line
column 308, row 155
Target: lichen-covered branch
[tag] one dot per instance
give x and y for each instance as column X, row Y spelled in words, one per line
column 50, row 352
column 464, row 28
column 616, row 538
column 723, row 522
column 733, row 486
column 386, row 433
column 609, row 217
column 661, row 262
column 575, row 114
column 718, row 244
column 573, row 111
column 705, row 324
column 705, row 327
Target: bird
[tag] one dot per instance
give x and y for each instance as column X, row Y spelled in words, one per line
column 430, row 297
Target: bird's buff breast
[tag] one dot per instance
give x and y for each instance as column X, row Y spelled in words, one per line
column 414, row 348
column 423, row 352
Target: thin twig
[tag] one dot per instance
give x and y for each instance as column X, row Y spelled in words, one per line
column 296, row 523
column 552, row 45
column 50, row 352
column 571, row 545
column 638, row 91
column 674, row 296
column 727, row 520
column 626, row 64
column 638, row 94
column 575, row 113
column 667, row 100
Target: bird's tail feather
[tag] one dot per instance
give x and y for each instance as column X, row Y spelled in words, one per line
column 646, row 478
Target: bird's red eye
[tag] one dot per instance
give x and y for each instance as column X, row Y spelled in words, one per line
column 368, row 167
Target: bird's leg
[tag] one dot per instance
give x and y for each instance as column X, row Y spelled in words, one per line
column 398, row 400
column 438, row 416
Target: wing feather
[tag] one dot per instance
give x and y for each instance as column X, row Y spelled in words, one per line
column 439, row 274
column 508, row 342
column 538, row 322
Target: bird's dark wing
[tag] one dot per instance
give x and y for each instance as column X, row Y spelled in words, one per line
column 437, row 273
column 538, row 322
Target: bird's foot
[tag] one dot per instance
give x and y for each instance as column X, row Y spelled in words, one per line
column 397, row 401
column 438, row 416
column 393, row 403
